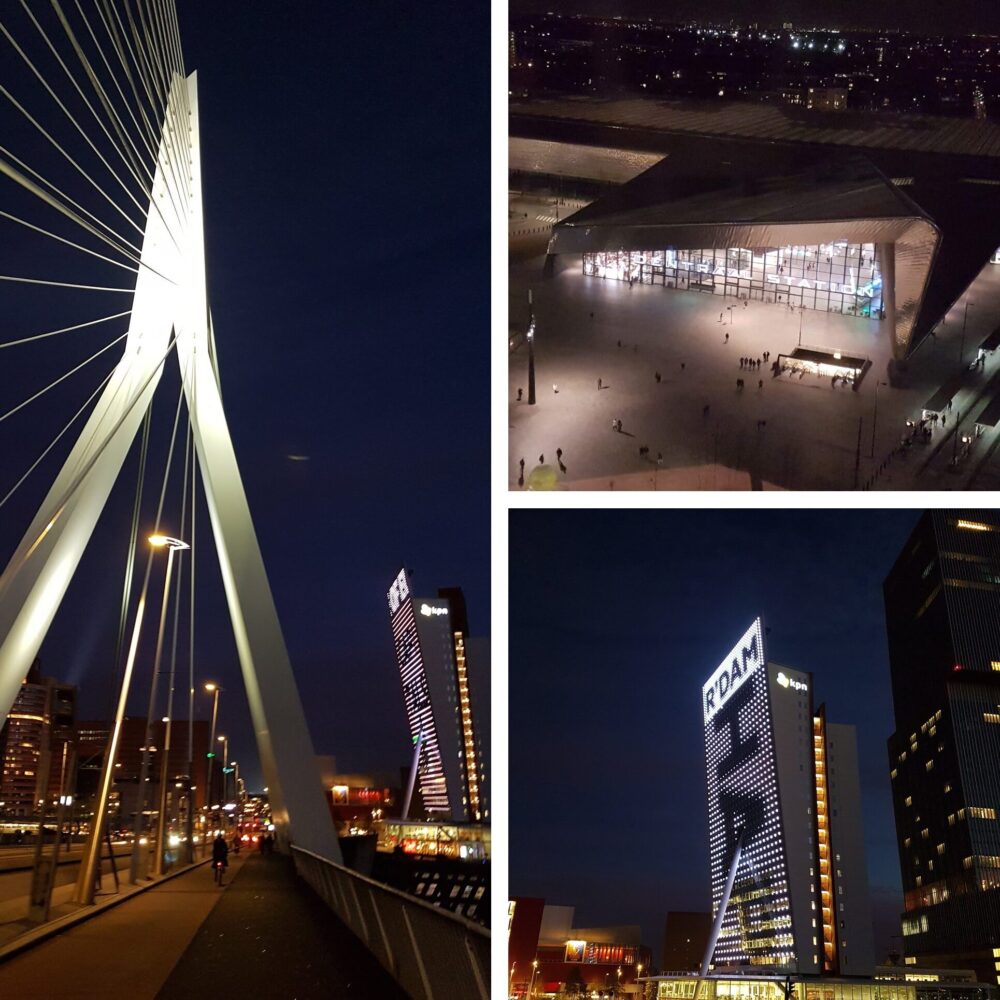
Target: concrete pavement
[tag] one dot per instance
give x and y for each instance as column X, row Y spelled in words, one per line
column 187, row 938
column 129, row 950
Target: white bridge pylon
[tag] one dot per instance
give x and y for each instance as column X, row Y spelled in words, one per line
column 173, row 314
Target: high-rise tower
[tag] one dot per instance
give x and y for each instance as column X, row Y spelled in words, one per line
column 783, row 797
column 437, row 667
column 942, row 602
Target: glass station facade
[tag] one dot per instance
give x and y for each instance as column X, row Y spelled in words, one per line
column 739, row 988
column 838, row 277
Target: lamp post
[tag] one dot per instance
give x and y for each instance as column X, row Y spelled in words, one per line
column 216, row 689
column 531, row 351
column 531, row 982
column 875, row 414
column 90, row 862
column 172, row 545
column 961, row 351
column 224, row 740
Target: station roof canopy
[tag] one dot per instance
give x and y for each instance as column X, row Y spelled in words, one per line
column 714, row 190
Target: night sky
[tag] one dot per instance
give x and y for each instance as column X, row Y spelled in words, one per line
column 616, row 620
column 345, row 157
column 960, row 16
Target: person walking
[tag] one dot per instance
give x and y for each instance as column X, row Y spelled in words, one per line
column 726, row 341
column 558, row 454
column 520, row 393
column 220, row 857
column 598, row 385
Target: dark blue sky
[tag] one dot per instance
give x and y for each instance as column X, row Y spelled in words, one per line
column 345, row 158
column 616, row 620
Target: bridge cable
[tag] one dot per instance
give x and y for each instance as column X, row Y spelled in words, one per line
column 116, row 663
column 62, row 378
column 25, row 182
column 66, row 110
column 65, row 329
column 72, row 420
column 60, row 505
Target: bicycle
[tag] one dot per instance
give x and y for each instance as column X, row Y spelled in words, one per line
column 220, row 867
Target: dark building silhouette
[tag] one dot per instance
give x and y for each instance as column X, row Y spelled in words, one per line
column 685, row 937
column 942, row 600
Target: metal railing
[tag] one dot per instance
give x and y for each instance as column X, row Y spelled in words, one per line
column 431, row 953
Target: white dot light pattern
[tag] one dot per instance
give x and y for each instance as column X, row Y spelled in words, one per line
column 743, row 793
column 416, row 695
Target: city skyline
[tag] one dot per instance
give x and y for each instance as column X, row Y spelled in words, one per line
column 966, row 16
column 659, row 595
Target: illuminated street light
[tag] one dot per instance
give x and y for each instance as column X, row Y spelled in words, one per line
column 531, row 350
column 172, row 545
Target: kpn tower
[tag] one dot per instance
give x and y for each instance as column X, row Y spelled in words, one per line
column 789, row 881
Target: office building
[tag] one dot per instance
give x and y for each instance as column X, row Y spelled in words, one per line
column 444, row 685
column 942, row 602
column 784, row 805
column 124, row 796
column 36, row 745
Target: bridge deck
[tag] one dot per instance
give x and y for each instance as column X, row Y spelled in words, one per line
column 187, row 938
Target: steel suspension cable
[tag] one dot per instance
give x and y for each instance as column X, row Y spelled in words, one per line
column 62, row 378
column 72, row 420
column 116, row 663
column 65, row 329
column 70, row 243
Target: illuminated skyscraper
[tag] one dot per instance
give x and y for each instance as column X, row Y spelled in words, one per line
column 35, row 745
column 942, row 601
column 783, row 788
column 445, row 675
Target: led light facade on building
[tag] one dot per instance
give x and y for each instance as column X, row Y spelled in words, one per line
column 433, row 652
column 800, row 895
column 942, row 600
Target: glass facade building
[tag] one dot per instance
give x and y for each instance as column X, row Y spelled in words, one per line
column 838, row 277
column 942, row 600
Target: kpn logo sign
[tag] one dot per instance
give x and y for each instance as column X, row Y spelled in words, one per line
column 746, row 658
column 790, row 682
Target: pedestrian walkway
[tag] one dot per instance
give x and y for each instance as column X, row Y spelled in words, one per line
column 189, row 938
column 270, row 930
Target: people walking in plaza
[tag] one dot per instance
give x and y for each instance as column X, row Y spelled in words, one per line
column 657, row 376
column 619, row 343
column 704, row 410
column 726, row 341
column 682, row 366
column 521, row 463
column 520, row 393
column 558, row 454
column 598, row 385
column 619, row 425
column 555, row 388
column 760, row 383
column 720, row 315
column 541, row 459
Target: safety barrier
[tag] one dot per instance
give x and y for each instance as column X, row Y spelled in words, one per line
column 431, row 953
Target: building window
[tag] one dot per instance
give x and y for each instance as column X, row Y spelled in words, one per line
column 940, row 848
column 908, row 800
column 929, row 766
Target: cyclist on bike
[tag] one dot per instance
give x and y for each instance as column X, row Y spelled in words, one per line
column 220, row 857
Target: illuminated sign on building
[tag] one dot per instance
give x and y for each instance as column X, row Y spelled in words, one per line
column 789, row 682
column 575, row 950
column 743, row 797
column 733, row 672
column 428, row 610
column 398, row 592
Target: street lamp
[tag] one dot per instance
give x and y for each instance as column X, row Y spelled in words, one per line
column 172, row 545
column 531, row 351
column 224, row 740
column 531, row 982
column 215, row 689
column 89, row 864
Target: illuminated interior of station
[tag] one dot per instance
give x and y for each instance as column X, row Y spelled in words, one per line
column 838, row 277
